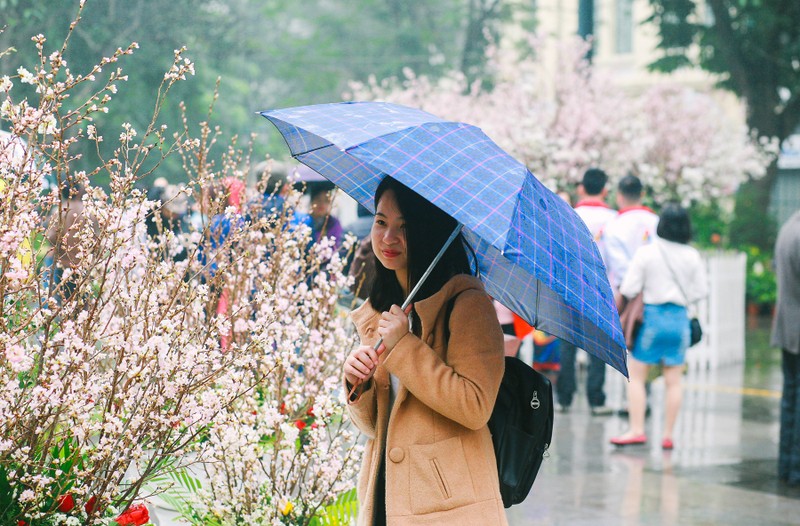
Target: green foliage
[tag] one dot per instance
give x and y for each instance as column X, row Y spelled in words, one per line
column 750, row 44
column 342, row 512
column 9, row 507
column 669, row 63
column 761, row 287
column 710, row 224
column 266, row 54
column 60, row 462
column 751, row 225
column 177, row 489
column 674, row 29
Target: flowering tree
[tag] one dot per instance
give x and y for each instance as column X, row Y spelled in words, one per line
column 564, row 117
column 693, row 152
column 112, row 370
column 280, row 454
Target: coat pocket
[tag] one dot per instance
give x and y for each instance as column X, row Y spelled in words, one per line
column 440, row 477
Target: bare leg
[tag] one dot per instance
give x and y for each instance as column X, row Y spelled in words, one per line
column 674, row 395
column 637, row 398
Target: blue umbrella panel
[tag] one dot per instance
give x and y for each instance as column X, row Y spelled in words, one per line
column 535, row 254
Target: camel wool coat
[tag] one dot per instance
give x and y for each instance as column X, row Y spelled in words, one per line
column 440, row 463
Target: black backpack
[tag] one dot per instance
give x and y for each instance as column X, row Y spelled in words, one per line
column 522, row 427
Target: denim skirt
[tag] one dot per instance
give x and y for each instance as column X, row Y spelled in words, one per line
column 663, row 336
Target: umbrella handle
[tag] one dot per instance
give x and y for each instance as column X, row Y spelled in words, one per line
column 410, row 298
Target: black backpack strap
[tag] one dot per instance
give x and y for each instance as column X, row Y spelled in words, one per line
column 448, row 310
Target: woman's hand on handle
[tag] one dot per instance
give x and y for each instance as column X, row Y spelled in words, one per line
column 360, row 365
column 393, row 325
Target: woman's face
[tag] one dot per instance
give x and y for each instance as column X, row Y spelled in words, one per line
column 389, row 234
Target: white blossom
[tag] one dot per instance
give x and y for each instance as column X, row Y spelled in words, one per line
column 140, row 362
column 25, row 76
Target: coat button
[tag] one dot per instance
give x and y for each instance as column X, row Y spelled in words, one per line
column 396, row 454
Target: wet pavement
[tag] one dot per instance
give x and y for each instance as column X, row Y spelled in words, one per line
column 722, row 470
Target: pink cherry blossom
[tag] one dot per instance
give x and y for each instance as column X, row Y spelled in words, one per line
column 560, row 119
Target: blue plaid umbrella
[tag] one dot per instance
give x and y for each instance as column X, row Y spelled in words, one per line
column 535, row 254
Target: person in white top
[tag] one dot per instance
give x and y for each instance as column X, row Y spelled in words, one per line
column 671, row 277
column 634, row 226
column 594, row 211
column 592, row 206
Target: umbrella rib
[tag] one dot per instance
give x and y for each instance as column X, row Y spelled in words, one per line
column 312, row 150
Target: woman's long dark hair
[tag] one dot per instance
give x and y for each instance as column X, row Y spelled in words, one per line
column 427, row 229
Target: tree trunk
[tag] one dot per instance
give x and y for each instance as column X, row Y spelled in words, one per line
column 752, row 225
column 479, row 16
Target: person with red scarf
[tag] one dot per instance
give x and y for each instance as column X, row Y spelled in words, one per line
column 594, row 211
column 634, row 226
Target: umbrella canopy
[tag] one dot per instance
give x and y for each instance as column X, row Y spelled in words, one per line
column 307, row 175
column 535, row 254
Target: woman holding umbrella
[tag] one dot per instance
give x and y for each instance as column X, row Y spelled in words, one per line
column 424, row 396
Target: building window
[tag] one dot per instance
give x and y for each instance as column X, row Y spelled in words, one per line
column 624, row 26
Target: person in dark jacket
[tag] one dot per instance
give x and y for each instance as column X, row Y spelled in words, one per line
column 786, row 336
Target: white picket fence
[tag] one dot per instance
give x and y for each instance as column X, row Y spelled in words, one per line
column 722, row 314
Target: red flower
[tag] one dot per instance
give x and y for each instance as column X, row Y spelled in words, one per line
column 90, row 504
column 310, row 411
column 134, row 516
column 66, row 503
column 22, row 523
column 300, row 424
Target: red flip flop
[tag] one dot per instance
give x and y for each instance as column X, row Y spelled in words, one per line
column 667, row 444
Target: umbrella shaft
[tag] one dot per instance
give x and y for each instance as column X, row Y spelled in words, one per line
column 410, row 298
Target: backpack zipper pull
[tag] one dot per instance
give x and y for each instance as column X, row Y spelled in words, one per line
column 535, row 400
